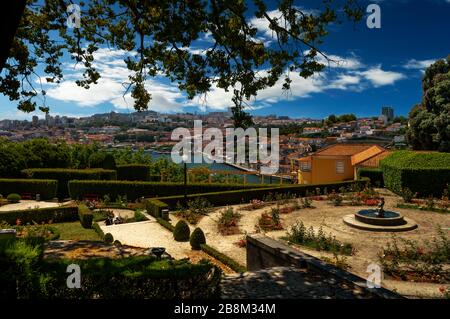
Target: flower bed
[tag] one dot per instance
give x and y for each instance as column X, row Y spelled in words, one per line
column 270, row 221
column 410, row 261
column 298, row 234
column 228, row 222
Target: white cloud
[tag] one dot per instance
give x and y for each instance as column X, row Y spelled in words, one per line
column 414, row 64
column 112, row 85
column 339, row 62
column 379, row 77
column 348, row 74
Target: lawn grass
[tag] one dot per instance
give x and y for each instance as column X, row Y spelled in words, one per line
column 74, row 231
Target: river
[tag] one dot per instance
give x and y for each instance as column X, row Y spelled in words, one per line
column 256, row 179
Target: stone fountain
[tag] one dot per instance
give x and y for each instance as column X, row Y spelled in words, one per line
column 379, row 220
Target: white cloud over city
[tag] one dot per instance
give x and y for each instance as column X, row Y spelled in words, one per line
column 342, row 73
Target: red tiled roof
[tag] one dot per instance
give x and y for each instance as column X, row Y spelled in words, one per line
column 343, row 149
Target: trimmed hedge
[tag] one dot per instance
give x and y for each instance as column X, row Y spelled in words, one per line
column 133, row 172
column 41, row 215
column 45, row 187
column 374, row 174
column 135, row 189
column 224, row 259
column 63, row 176
column 167, row 225
column 423, row 173
column 85, row 215
column 98, row 230
column 246, row 195
column 25, row 275
column 154, row 207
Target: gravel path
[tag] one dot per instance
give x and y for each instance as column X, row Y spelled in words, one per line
column 29, row 204
column 148, row 234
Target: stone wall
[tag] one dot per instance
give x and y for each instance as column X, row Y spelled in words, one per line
column 264, row 252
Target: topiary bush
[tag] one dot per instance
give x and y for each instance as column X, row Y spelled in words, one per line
column 14, row 198
column 197, row 239
column 181, row 231
column 109, row 239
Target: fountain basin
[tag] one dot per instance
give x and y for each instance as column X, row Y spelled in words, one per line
column 370, row 216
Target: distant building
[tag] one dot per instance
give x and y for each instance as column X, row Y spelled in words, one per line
column 388, row 112
column 35, row 120
column 335, row 163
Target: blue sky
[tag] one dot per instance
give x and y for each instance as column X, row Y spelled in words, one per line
column 377, row 67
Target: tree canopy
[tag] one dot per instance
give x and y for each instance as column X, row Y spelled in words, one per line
column 161, row 37
column 429, row 121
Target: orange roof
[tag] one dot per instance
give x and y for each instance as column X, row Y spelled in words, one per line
column 305, row 159
column 375, row 160
column 343, row 149
column 366, row 154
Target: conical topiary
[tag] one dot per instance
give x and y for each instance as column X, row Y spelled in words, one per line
column 181, row 231
column 197, row 239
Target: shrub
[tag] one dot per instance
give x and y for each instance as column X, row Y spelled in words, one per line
column 108, row 238
column 139, row 216
column 181, row 231
column 85, row 215
column 197, row 239
column 41, row 215
column 196, row 209
column 46, row 188
column 426, row 261
column 407, row 195
column 335, row 198
column 228, row 221
column 423, row 173
column 270, row 222
column 133, row 172
column 374, row 174
column 102, row 160
column 298, row 234
column 63, row 176
column 13, row 198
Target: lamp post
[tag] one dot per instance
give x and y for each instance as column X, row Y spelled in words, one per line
column 185, row 159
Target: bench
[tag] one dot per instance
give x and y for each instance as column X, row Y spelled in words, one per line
column 91, row 197
column 26, row 196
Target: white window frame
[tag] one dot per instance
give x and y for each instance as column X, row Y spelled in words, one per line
column 340, row 167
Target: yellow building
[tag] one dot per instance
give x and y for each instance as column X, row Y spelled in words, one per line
column 335, row 163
